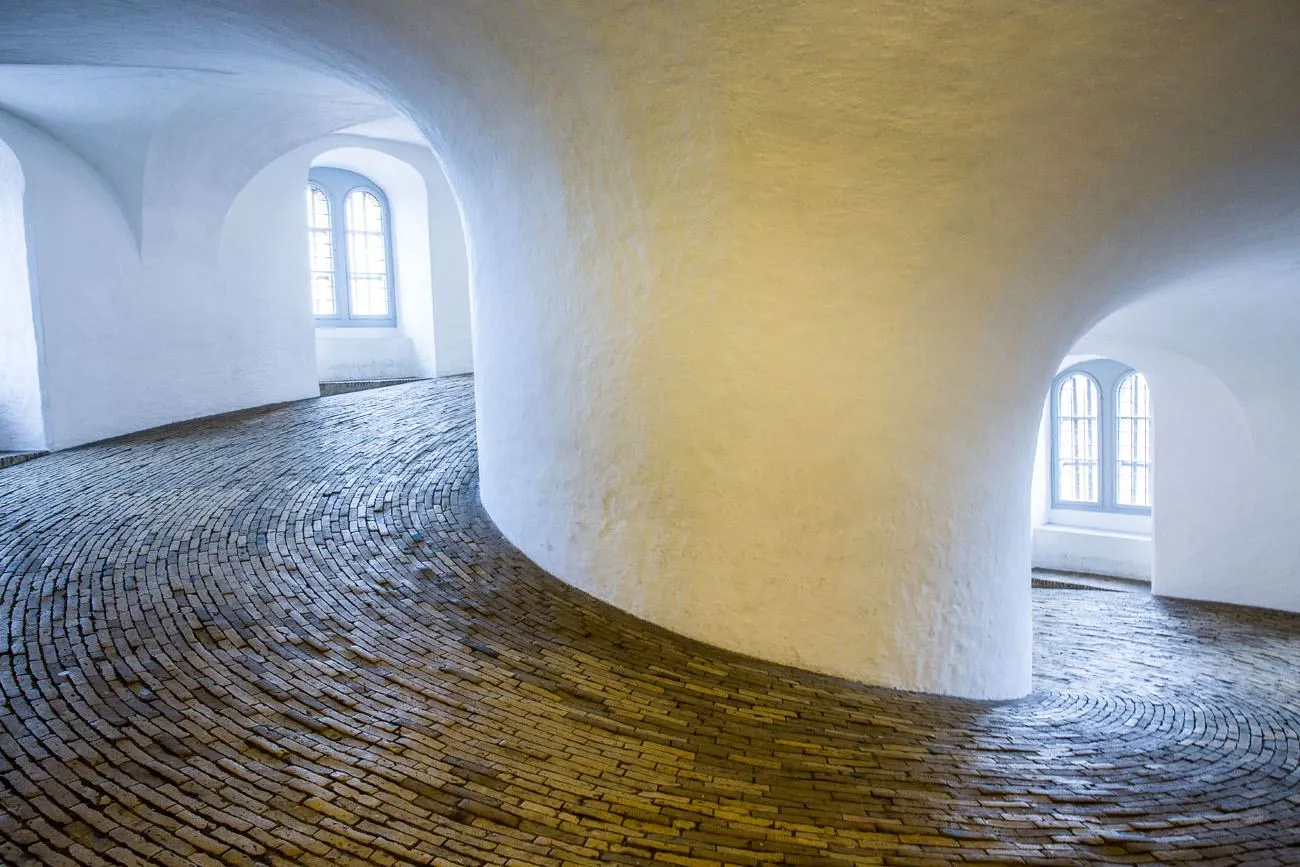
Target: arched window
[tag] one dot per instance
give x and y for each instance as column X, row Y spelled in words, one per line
column 320, row 237
column 1101, row 438
column 1133, row 441
column 1078, row 452
column 367, row 254
column 351, row 244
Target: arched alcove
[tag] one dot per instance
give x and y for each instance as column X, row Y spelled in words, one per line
column 431, row 270
column 22, row 423
column 266, row 223
column 1219, row 350
column 1217, row 347
column 1091, row 528
column 84, row 269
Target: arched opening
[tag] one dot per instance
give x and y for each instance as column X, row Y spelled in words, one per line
column 22, row 422
column 1093, row 489
column 362, row 305
column 350, row 250
column 1219, row 352
column 421, row 329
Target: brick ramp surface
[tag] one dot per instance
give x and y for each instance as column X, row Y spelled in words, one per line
column 293, row 637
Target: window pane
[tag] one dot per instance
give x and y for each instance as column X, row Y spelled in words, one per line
column 1077, row 452
column 367, row 255
column 1124, row 439
column 320, row 245
column 1133, row 441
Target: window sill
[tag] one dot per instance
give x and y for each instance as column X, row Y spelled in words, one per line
column 359, row 332
column 1092, row 551
column 1094, row 531
column 1133, row 523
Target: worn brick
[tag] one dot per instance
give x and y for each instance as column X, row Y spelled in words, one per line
column 292, row 636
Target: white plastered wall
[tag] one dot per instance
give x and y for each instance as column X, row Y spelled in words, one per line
column 22, row 426
column 262, row 271
column 142, row 322
column 767, row 299
column 198, row 304
column 431, row 268
column 1222, row 358
column 86, row 273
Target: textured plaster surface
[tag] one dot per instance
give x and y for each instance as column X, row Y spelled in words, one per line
column 767, row 294
column 165, row 237
column 1222, row 360
column 22, row 427
column 154, row 306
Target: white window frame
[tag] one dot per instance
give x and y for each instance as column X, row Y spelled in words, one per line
column 1076, row 421
column 337, row 184
column 1107, row 375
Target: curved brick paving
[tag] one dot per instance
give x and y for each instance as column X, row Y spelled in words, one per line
column 292, row 636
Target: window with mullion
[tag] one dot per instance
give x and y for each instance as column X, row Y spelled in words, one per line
column 1078, row 451
column 1101, row 439
column 350, row 239
column 1133, row 442
column 367, row 245
column 320, row 238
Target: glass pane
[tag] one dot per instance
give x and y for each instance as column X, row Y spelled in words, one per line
column 320, row 247
column 322, row 295
column 1077, row 449
column 318, row 209
column 1133, row 441
column 1124, row 481
column 367, row 255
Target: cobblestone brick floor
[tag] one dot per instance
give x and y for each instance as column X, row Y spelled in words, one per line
column 292, row 636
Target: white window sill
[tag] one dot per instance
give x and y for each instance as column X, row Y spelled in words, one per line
column 1091, row 550
column 387, row 331
column 1095, row 531
column 1090, row 519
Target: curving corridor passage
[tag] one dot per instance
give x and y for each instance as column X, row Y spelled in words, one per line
column 293, row 636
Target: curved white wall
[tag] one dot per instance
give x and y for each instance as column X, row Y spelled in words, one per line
column 765, row 304
column 1224, row 362
column 22, row 427
column 431, row 269
column 187, row 296
column 777, row 384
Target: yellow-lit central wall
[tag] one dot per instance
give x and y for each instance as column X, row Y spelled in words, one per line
column 767, row 294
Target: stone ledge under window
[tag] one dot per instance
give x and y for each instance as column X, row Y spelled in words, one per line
column 1089, row 550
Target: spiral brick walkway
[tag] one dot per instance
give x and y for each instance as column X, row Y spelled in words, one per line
column 292, row 636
